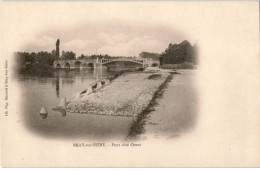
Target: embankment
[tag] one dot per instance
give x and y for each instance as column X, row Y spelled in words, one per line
column 128, row 95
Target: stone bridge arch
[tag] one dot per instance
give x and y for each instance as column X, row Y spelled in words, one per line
column 91, row 65
column 78, row 64
column 66, row 65
column 58, row 65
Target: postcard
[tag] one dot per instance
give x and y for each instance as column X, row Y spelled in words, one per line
column 130, row 84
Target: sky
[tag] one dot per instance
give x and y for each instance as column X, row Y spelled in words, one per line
column 113, row 28
column 115, row 38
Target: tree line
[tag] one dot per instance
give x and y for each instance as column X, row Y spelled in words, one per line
column 43, row 61
column 47, row 58
column 175, row 54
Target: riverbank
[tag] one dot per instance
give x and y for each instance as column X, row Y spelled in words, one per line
column 171, row 121
column 128, row 95
column 36, row 70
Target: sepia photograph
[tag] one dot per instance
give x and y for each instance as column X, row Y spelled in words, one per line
column 108, row 95
column 134, row 84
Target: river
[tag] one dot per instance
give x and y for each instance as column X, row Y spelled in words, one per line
column 37, row 92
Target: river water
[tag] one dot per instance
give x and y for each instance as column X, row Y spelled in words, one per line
column 37, row 92
column 177, row 107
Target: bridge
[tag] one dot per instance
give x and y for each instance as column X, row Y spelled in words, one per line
column 93, row 63
column 76, row 63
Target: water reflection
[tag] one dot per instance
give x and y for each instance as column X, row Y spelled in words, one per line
column 48, row 92
column 57, row 85
column 44, row 116
column 68, row 77
column 63, row 113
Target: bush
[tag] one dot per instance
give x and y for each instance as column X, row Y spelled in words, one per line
column 154, row 76
column 184, row 65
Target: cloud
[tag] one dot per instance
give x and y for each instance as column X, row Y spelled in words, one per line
column 115, row 38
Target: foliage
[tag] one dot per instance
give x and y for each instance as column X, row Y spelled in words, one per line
column 184, row 65
column 179, row 53
column 149, row 55
column 44, row 58
column 34, row 63
column 68, row 55
column 99, row 56
column 154, row 76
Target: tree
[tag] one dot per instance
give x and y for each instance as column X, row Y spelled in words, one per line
column 149, row 55
column 195, row 52
column 68, row 55
column 81, row 56
column 178, row 53
column 58, row 49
